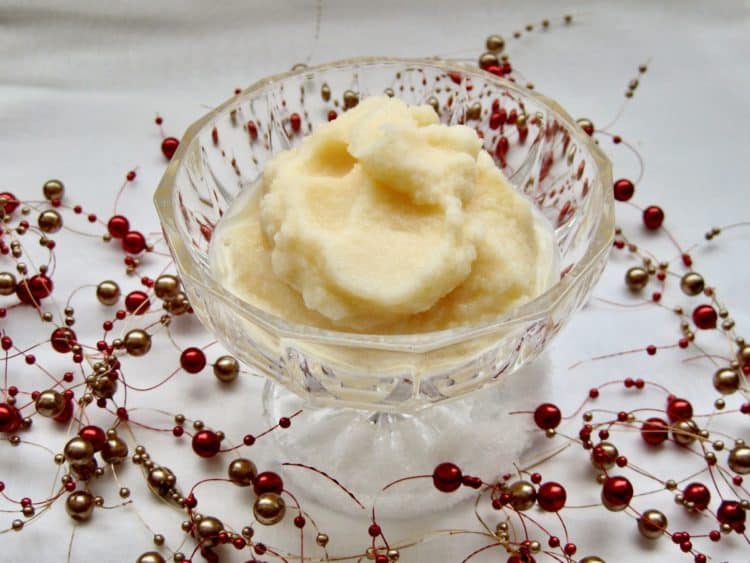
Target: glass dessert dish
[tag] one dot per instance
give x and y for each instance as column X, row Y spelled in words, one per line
column 370, row 388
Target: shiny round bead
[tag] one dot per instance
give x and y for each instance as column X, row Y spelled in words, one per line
column 226, row 369
column 169, row 146
column 705, row 317
column 551, row 496
column 53, row 189
column 34, row 289
column 63, row 339
column 50, row 403
column 192, row 360
column 655, row 431
column 80, row 505
column 94, row 435
column 206, row 443
column 114, row 450
column 150, row 557
column 118, row 226
column 495, row 43
column 269, row 508
column 636, row 278
column 447, row 477
column 616, row 493
column 698, row 494
column 685, row 432
column 604, row 455
column 166, row 286
column 268, row 482
column 739, row 459
column 522, row 495
column 137, row 342
column 137, row 303
column 731, row 513
column 488, row 59
column 7, row 283
column 547, row 416
column 78, row 451
column 134, row 242
column 653, row 217
column 49, row 221
column 679, row 409
column 692, row 284
column 242, row 472
column 726, row 381
column 209, row 527
column 108, row 292
column 623, row 189
column 652, row 524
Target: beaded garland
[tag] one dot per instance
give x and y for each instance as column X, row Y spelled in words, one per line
column 599, row 432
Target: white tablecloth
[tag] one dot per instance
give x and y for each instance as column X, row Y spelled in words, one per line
column 81, row 82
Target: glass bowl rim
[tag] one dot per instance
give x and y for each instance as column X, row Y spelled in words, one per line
column 529, row 311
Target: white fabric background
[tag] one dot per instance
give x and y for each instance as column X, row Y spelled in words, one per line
column 80, row 83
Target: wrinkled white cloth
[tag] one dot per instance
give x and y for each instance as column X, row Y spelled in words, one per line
column 81, row 82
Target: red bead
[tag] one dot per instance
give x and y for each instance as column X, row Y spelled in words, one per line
column 588, row 127
column 731, row 512
column 551, row 496
column 206, row 443
column 687, row 260
column 651, row 350
column 495, row 69
column 130, row 176
column 653, row 217
column 593, row 393
column 259, row 548
column 94, row 435
column 30, row 359
column 169, row 146
column 536, row 478
column 248, row 440
column 11, row 202
column 10, row 418
column 91, row 218
column 699, row 558
column 299, row 521
column 118, row 226
column 639, row 383
column 62, row 339
column 656, row 296
column 745, row 408
column 714, row 535
column 447, row 477
column 547, row 416
column 26, row 501
column 158, row 120
column 570, row 549
column 285, row 422
column 374, row 530
column 603, row 434
column 471, row 481
column 77, row 209
column 679, row 409
column 686, row 546
column 705, row 317
column 178, row 431
column 616, row 139
column 70, row 486
column 698, row 494
column 122, row 413
column 617, row 493
column 134, row 242
column 6, row 342
column 67, row 413
column 239, row 543
column 553, row 542
column 621, row 461
column 624, row 189
column 622, row 416
column 737, row 480
column 137, row 302
column 34, row 289
column 190, row 501
column 332, row 115
column 295, row 121
column 268, row 482
column 498, row 118
column 655, row 431
column 192, row 360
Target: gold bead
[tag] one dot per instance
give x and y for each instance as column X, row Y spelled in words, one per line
column 739, row 460
column 53, row 189
column 670, row 485
column 269, row 509
column 7, row 283
column 158, row 539
column 718, row 445
column 28, row 511
column 692, row 284
column 726, row 528
column 321, row 540
column 242, row 472
column 522, row 495
column 588, row 416
column 726, row 381
column 209, row 527
column 652, row 524
column 743, row 354
column 115, row 451
column 98, row 501
column 166, row 286
column 150, row 557
column 186, row 526
column 85, row 471
column 550, row 433
column 198, row 424
column 78, row 451
column 104, row 387
column 727, row 324
column 124, row 492
column 137, row 342
column 50, row 221
column 59, row 459
column 79, row 505
column 685, row 432
column 325, row 92
column 17, row 525
column 161, row 480
column 719, row 404
column 178, row 557
column 591, row 559
column 50, row 403
column 393, row 554
column 108, row 292
column 603, row 455
column 710, row 457
column 487, row 60
column 495, row 43
column 248, row 533
column 226, row 369
column 351, row 99
column 636, row 278
column 535, row 546
column 15, row 440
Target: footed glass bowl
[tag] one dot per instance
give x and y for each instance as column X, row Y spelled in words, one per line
column 539, row 147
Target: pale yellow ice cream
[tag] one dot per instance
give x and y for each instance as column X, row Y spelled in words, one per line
column 384, row 220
